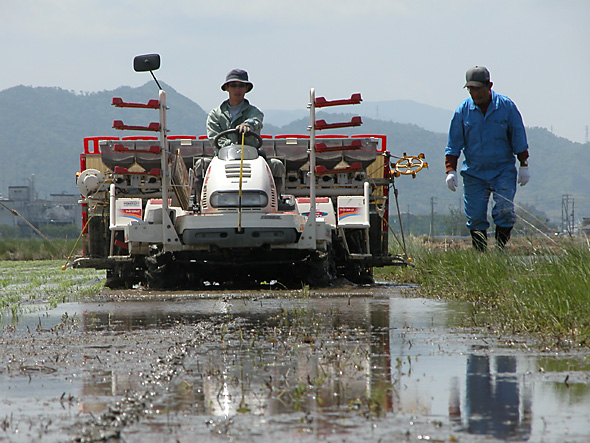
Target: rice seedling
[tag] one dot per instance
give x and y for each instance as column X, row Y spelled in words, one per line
column 36, row 284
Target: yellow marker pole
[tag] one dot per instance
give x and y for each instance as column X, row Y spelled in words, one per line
column 64, row 267
column 240, row 187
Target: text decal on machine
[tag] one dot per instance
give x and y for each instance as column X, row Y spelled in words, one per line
column 344, row 212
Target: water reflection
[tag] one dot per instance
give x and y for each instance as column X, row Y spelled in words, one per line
column 333, row 357
column 99, row 387
column 312, row 355
column 494, row 404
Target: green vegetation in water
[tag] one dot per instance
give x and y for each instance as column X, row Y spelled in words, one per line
column 32, row 284
column 336, row 355
column 538, row 287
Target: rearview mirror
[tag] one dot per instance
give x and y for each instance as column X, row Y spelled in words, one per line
column 147, row 62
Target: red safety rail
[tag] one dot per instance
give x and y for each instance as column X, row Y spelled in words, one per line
column 381, row 137
column 291, row 136
column 281, row 136
column 82, row 164
column 122, row 170
column 151, row 150
column 317, row 199
column 321, row 124
column 322, row 170
column 151, row 104
column 95, row 145
column 154, row 126
column 140, row 137
column 182, row 137
column 322, row 147
column 331, row 136
column 321, row 102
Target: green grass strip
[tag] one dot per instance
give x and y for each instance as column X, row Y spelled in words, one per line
column 536, row 287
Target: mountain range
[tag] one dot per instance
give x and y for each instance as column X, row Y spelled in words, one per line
column 43, row 130
column 399, row 111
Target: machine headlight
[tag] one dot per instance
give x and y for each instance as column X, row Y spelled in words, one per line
column 250, row 199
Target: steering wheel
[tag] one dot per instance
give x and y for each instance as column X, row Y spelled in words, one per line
column 410, row 165
column 235, row 131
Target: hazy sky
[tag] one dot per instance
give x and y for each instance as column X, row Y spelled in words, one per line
column 537, row 50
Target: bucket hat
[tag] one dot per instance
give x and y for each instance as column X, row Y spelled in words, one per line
column 237, row 75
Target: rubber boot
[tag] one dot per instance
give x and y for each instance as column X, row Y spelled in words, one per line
column 502, row 236
column 479, row 240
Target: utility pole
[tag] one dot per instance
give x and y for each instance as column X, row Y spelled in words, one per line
column 567, row 218
column 432, row 201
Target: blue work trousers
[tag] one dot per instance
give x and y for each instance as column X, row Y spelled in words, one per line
column 478, row 184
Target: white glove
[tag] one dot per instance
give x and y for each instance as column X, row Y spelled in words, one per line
column 523, row 175
column 452, row 180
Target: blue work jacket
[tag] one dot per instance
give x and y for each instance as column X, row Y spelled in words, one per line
column 489, row 141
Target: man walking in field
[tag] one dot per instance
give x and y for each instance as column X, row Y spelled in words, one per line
column 488, row 128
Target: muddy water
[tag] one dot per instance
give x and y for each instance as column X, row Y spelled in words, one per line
column 360, row 364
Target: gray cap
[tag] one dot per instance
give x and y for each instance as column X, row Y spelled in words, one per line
column 477, row 76
column 237, row 75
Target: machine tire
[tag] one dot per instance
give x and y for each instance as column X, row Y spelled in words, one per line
column 163, row 272
column 157, row 271
column 114, row 280
column 122, row 276
column 318, row 271
column 358, row 274
column 366, row 276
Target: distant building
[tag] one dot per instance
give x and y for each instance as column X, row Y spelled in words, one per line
column 20, row 193
column 5, row 215
column 62, row 209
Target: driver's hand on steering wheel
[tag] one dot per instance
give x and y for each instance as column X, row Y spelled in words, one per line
column 243, row 128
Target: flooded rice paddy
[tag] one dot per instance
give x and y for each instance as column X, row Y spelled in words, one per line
column 343, row 365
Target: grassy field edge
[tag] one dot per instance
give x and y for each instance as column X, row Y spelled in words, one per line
column 538, row 286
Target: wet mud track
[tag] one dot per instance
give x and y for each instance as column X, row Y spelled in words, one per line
column 346, row 364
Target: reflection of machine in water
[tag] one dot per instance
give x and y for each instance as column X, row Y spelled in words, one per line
column 273, row 357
